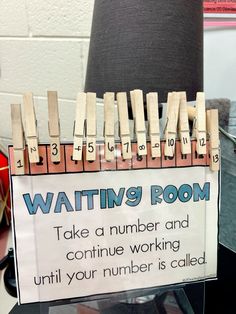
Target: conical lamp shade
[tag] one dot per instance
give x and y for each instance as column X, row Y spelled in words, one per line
column 153, row 45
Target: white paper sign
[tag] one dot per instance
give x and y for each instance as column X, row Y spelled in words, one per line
column 87, row 234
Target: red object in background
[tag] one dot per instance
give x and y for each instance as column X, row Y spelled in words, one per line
column 4, row 178
column 219, row 6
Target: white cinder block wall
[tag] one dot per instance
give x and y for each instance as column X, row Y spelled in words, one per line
column 44, row 46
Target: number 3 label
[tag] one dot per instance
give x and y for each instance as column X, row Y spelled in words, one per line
column 54, row 149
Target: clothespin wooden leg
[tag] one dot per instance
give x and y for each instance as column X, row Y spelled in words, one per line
column 54, row 126
column 172, row 120
column 184, row 131
column 133, row 122
column 201, row 124
column 154, row 124
column 214, row 139
column 109, row 125
column 31, row 128
column 124, row 125
column 18, row 139
column 91, row 127
column 79, row 126
column 140, row 123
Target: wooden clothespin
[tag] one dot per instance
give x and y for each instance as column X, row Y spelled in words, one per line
column 213, row 120
column 208, row 122
column 200, row 124
column 132, row 100
column 124, row 125
column 140, row 128
column 133, row 122
column 31, row 128
column 54, row 126
column 18, row 139
column 184, row 125
column 79, row 126
column 171, row 126
column 109, row 125
column 154, row 124
column 91, row 127
column 167, row 111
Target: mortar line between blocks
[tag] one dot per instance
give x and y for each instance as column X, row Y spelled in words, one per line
column 46, row 38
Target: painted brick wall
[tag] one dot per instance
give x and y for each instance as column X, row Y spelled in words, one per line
column 44, row 46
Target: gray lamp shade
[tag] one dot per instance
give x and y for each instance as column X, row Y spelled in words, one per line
column 153, row 45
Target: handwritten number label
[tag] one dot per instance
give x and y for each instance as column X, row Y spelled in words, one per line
column 33, row 149
column 202, row 142
column 78, row 148
column 156, row 145
column 171, row 142
column 90, row 147
column 54, row 149
column 110, row 148
column 216, row 158
column 185, row 140
column 142, row 147
column 19, row 164
column 127, row 146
